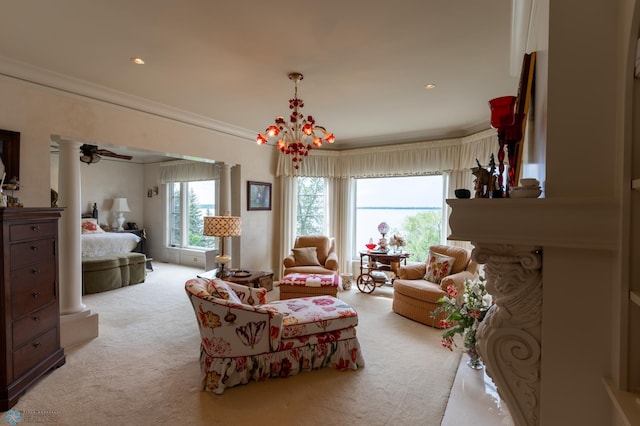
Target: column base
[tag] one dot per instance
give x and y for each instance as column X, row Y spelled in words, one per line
column 78, row 327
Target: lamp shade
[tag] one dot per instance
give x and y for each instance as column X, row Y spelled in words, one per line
column 120, row 205
column 222, row 226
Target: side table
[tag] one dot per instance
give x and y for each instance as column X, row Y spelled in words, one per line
column 249, row 278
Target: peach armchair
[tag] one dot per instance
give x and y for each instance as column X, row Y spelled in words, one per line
column 418, row 286
column 312, row 254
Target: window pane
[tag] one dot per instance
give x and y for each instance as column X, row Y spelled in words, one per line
column 189, row 203
column 311, row 206
column 412, row 206
column 201, row 203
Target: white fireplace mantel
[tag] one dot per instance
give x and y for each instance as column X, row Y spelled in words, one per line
column 509, row 237
column 566, row 222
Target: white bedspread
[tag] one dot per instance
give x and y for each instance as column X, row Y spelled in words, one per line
column 108, row 243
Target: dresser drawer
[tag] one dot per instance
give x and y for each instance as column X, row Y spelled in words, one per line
column 32, row 252
column 32, row 287
column 34, row 351
column 34, row 324
column 32, row 231
column 28, row 277
column 35, row 298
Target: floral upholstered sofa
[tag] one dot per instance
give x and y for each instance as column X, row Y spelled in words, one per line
column 244, row 338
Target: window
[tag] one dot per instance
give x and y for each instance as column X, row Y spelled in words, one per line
column 311, row 210
column 189, row 202
column 412, row 206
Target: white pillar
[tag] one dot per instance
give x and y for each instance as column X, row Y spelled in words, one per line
column 77, row 323
column 70, row 240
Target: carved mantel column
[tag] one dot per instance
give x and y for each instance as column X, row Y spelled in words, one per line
column 509, row 338
column 510, row 236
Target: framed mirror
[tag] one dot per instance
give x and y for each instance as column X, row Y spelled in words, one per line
column 10, row 158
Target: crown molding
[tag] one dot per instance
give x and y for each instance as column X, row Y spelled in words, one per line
column 42, row 77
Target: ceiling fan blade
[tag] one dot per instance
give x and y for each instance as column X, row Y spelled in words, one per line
column 107, row 153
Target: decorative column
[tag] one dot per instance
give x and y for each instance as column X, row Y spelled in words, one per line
column 77, row 322
column 70, row 238
column 509, row 338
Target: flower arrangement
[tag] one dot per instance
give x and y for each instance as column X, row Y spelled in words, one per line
column 464, row 315
column 398, row 242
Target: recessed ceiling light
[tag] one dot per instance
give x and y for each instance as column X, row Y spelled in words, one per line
column 137, row 61
column 429, row 86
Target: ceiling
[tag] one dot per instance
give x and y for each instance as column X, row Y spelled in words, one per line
column 365, row 64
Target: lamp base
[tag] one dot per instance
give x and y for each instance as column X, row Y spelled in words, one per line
column 222, row 260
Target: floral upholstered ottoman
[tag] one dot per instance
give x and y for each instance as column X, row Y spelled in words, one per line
column 305, row 285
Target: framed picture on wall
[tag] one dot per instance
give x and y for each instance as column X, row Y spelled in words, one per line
column 10, row 157
column 258, row 196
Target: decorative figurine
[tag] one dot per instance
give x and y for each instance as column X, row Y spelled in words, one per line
column 485, row 182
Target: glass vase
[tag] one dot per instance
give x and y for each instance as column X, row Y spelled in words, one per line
column 474, row 360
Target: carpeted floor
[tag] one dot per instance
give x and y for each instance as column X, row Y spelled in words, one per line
column 143, row 370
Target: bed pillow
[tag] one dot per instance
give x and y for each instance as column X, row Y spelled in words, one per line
column 90, row 226
column 306, row 256
column 438, row 267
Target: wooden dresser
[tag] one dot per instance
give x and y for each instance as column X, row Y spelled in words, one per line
column 30, row 320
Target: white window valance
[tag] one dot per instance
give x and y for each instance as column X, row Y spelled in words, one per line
column 414, row 159
column 188, row 171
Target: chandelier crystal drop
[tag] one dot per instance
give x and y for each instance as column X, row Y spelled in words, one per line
column 300, row 135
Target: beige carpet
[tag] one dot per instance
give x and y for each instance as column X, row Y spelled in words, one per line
column 143, row 370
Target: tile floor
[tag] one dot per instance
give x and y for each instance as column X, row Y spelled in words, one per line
column 474, row 400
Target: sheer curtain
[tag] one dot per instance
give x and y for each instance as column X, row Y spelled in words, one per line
column 288, row 219
column 340, row 191
column 453, row 158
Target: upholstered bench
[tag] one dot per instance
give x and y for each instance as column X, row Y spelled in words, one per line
column 305, row 285
column 110, row 272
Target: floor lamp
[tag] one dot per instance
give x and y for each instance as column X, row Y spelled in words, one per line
column 222, row 226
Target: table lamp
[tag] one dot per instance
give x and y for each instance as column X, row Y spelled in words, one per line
column 120, row 205
column 222, row 226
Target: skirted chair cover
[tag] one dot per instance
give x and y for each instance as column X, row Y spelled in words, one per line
column 419, row 286
column 243, row 338
column 312, row 254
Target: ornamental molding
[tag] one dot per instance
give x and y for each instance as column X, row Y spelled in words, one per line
column 509, row 338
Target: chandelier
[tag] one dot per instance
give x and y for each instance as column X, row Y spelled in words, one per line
column 299, row 136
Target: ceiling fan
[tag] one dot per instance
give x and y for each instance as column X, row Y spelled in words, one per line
column 92, row 154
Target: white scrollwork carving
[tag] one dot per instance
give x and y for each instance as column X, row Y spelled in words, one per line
column 509, row 336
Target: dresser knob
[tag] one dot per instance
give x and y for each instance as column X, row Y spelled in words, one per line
column 36, row 344
column 35, row 228
column 36, row 318
column 35, row 271
column 35, row 294
column 34, row 248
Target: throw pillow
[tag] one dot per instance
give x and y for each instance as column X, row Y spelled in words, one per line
column 224, row 291
column 90, row 226
column 306, row 256
column 438, row 267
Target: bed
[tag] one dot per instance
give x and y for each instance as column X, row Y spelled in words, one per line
column 108, row 243
column 110, row 259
